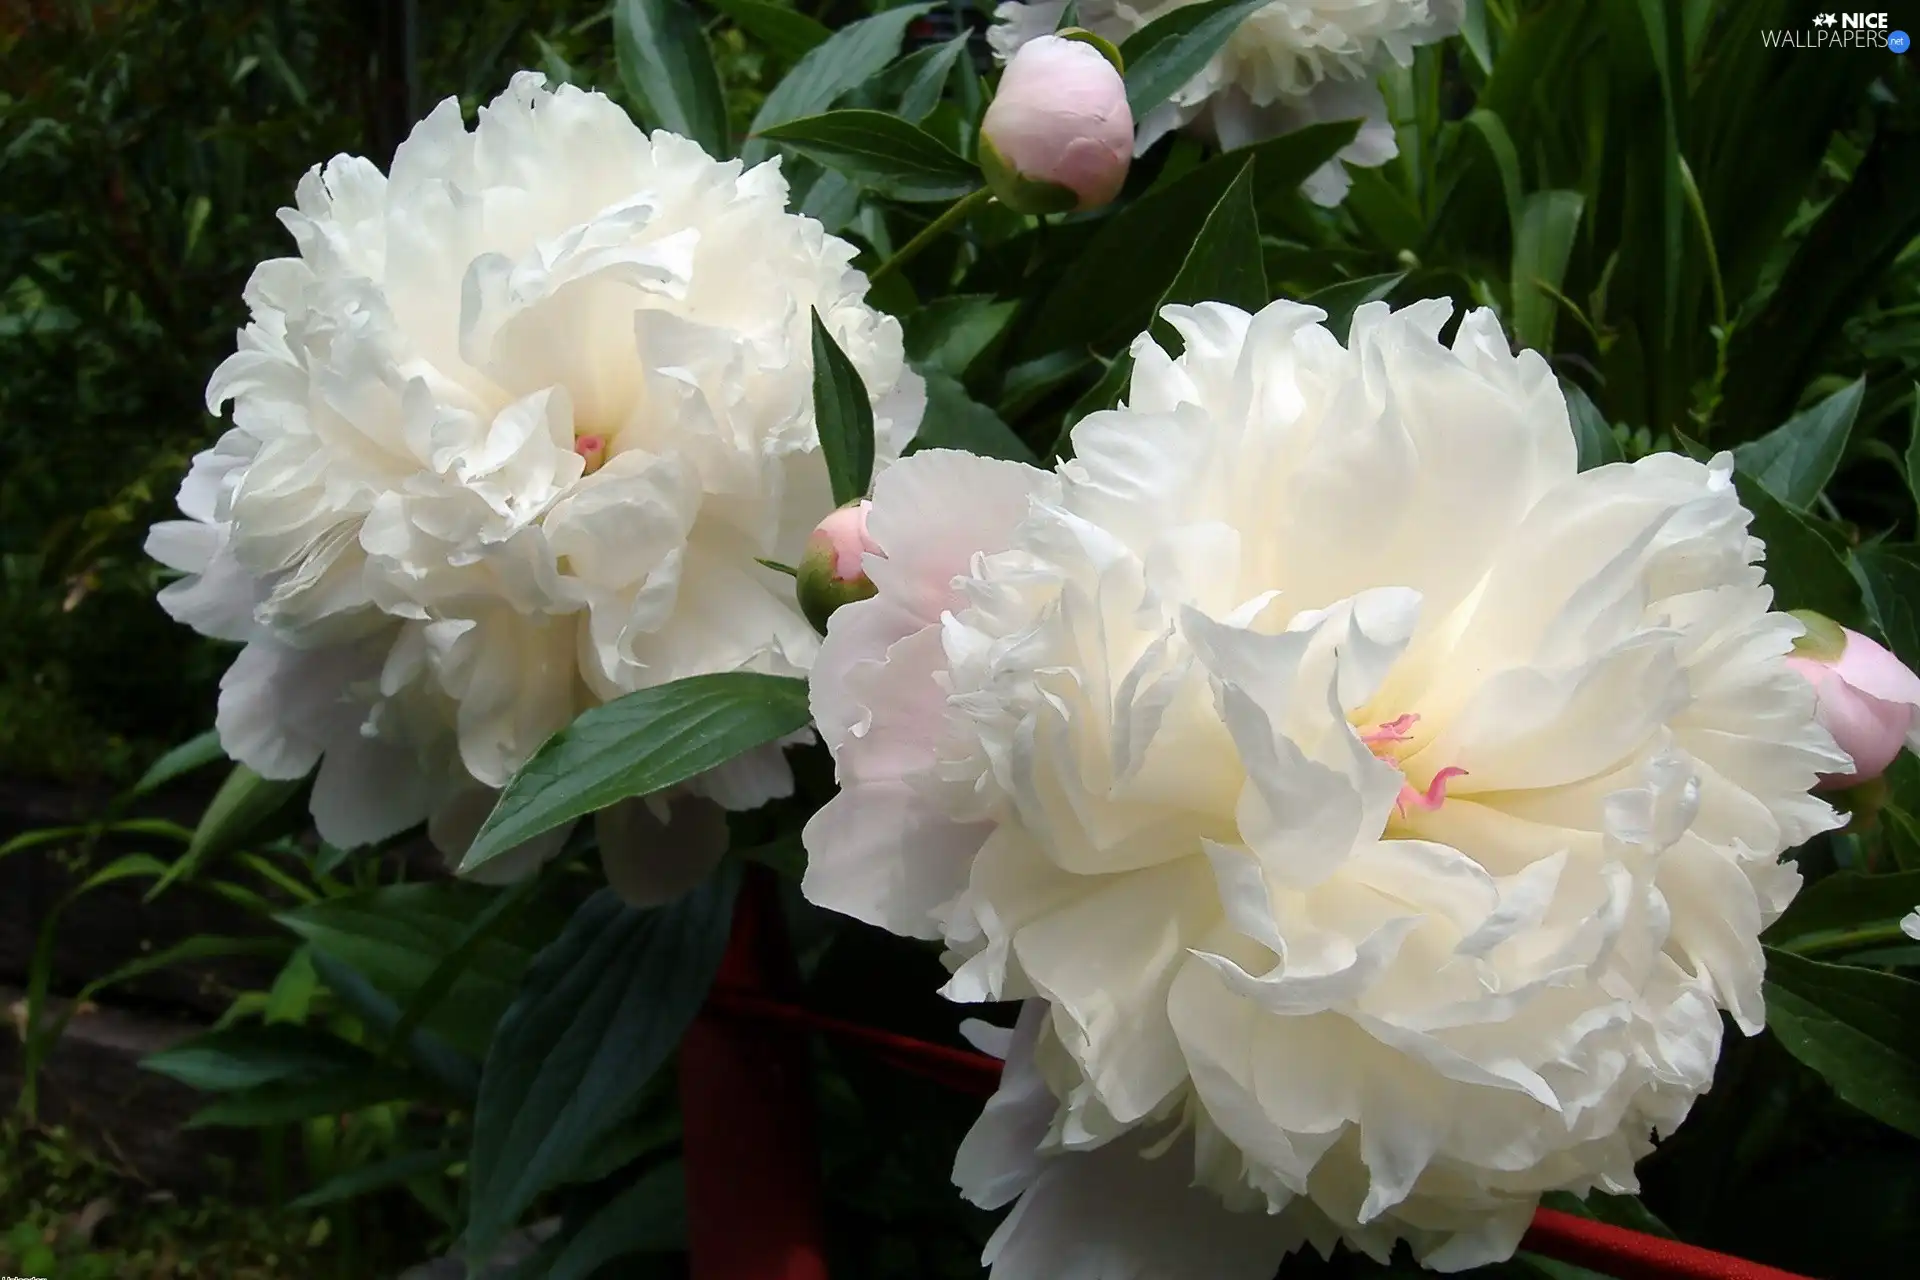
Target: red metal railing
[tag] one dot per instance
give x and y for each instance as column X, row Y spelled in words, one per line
column 750, row 1159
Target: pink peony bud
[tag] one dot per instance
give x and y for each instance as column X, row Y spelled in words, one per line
column 830, row 572
column 1058, row 134
column 1867, row 698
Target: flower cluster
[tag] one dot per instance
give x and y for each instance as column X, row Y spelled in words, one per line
column 1290, row 64
column 509, row 436
column 1373, row 811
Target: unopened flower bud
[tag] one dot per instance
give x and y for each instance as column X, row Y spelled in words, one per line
column 830, row 572
column 1058, row 134
column 1867, row 698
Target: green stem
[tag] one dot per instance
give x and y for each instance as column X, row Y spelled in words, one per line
column 1829, row 941
column 955, row 212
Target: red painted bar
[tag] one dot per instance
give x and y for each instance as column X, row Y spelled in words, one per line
column 1597, row 1246
column 752, row 1169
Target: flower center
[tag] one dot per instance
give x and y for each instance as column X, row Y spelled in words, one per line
column 593, row 448
column 1389, row 741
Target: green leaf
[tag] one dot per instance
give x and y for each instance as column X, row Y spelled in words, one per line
column 948, row 334
column 1174, row 48
column 930, row 79
column 399, row 936
column 1859, row 1029
column 1108, row 295
column 1487, row 123
column 1913, row 447
column 456, row 1076
column 497, row 919
column 854, row 54
column 1473, row 33
column 245, row 803
column 1795, row 460
column 602, row 1008
column 1805, row 564
column 650, row 1216
column 1104, row 394
column 246, row 1056
column 881, row 152
column 1598, row 444
column 192, row 754
column 843, row 415
column 290, row 1101
column 790, row 34
column 376, row 1176
column 636, row 745
column 1542, row 243
column 1843, row 261
column 1846, row 911
column 1341, row 300
column 668, row 70
column 954, row 420
column 186, row 951
column 1892, row 578
column 1225, row 263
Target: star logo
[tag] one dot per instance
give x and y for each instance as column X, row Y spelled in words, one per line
column 1824, row 20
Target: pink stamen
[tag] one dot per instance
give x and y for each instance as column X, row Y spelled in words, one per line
column 1433, row 797
column 1398, row 729
column 593, row 449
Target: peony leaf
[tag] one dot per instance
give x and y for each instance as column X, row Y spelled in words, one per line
column 1542, row 243
column 1846, row 912
column 192, row 754
column 360, row 1180
column 1859, row 1029
column 244, row 1057
column 1891, row 575
column 456, row 1074
column 648, row 1216
column 930, row 76
column 407, row 939
column 238, row 812
column 790, row 34
column 1598, row 444
column 1795, row 460
column 1912, row 459
column 1174, row 48
column 855, row 53
column 954, row 420
column 881, row 152
column 1107, row 295
column 1224, row 264
column 1341, row 300
column 667, row 68
column 291, row 1101
column 844, row 417
column 636, row 745
column 1806, row 562
column 948, row 334
column 601, row 1009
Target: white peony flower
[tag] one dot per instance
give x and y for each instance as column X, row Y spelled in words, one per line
column 1910, row 924
column 1376, row 811
column 509, row 434
column 1289, row 65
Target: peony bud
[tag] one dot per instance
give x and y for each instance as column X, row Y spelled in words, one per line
column 1058, row 134
column 830, row 572
column 1867, row 698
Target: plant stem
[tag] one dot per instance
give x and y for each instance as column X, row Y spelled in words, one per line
column 954, row 213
